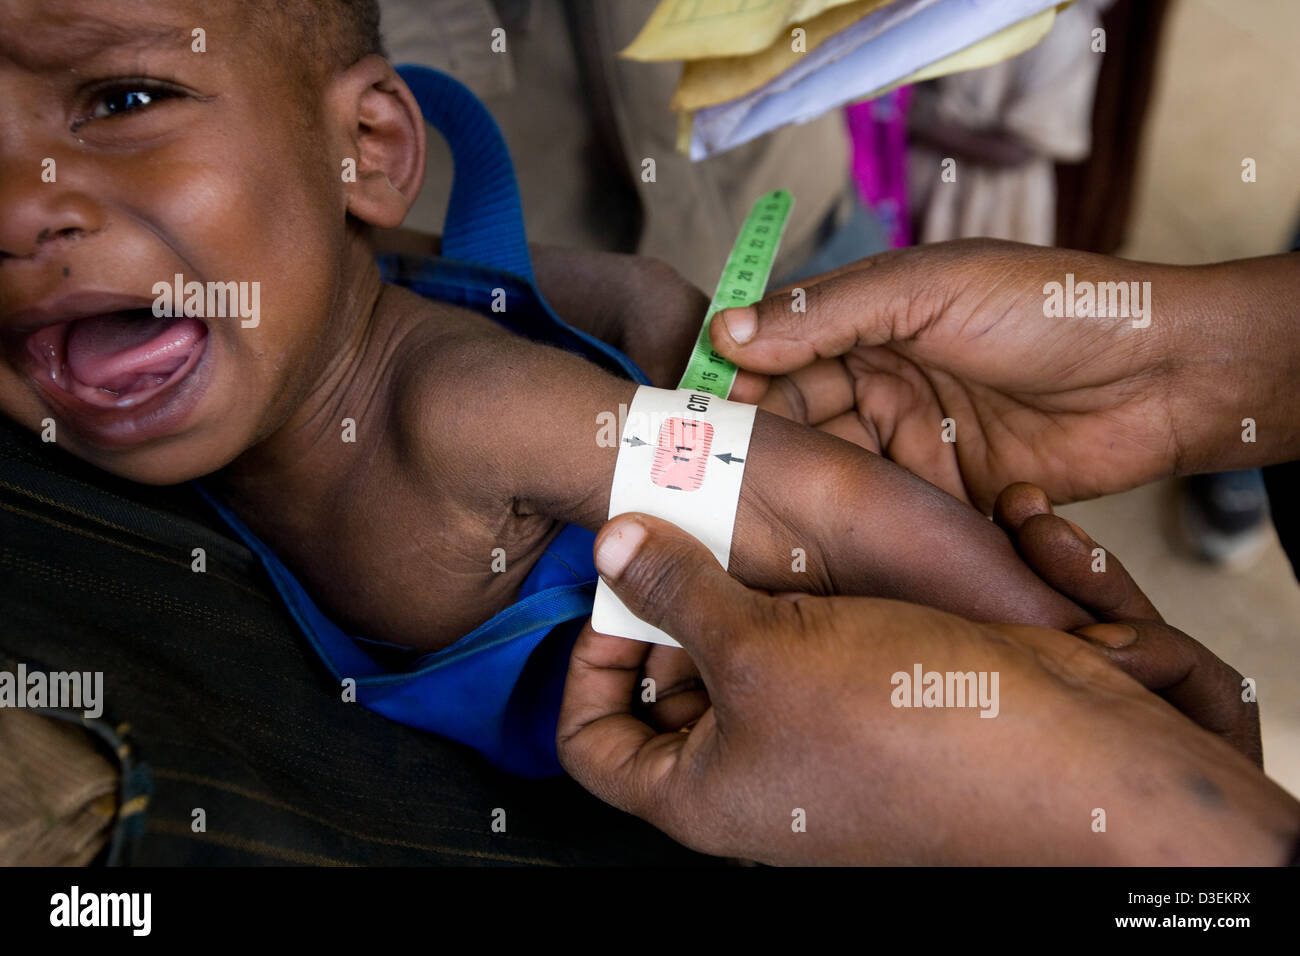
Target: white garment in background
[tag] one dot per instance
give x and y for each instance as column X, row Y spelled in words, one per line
column 1044, row 96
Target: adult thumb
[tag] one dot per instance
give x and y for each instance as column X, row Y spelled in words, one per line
column 862, row 304
column 669, row 579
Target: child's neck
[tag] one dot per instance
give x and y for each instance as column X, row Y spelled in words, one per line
column 286, row 479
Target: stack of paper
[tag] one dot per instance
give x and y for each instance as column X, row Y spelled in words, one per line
column 754, row 65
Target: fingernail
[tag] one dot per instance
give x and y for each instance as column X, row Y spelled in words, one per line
column 740, row 324
column 1079, row 532
column 618, row 546
column 1111, row 635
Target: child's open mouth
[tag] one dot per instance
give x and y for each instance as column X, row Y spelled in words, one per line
column 118, row 360
column 119, row 376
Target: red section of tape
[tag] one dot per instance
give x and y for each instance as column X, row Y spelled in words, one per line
column 682, row 454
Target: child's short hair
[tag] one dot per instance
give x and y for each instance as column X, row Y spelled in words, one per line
column 336, row 33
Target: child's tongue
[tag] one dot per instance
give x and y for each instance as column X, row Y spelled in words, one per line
column 127, row 351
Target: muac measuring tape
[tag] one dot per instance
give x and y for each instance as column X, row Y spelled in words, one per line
column 744, row 279
column 682, row 452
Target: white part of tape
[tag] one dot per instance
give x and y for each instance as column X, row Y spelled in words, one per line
column 681, row 457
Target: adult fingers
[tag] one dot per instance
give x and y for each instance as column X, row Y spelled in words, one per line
column 1187, row 674
column 812, row 394
column 602, row 679
column 1018, row 502
column 1066, row 557
column 601, row 743
column 788, row 329
column 672, row 689
column 749, row 387
column 902, row 412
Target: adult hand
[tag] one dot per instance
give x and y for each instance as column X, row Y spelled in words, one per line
column 1133, row 635
column 804, row 756
column 890, row 347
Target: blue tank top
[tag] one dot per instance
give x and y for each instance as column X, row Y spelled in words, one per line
column 498, row 688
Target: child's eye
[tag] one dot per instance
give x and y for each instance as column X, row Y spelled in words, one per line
column 132, row 98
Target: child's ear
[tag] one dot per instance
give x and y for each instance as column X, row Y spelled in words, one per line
column 385, row 141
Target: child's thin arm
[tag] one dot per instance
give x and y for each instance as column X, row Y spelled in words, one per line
column 864, row 525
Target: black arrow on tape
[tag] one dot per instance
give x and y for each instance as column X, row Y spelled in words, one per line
column 634, row 441
column 728, row 457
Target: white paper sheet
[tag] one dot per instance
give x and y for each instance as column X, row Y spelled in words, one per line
column 882, row 48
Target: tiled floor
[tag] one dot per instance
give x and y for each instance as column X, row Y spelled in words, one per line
column 1228, row 82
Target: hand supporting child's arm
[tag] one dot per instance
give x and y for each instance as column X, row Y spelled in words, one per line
column 874, row 528
column 1133, row 634
column 865, row 525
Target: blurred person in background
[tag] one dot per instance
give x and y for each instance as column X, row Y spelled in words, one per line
column 581, row 123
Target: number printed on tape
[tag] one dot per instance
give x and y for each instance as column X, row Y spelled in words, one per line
column 743, row 280
column 682, row 455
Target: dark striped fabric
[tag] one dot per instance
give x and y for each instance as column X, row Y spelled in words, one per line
column 224, row 708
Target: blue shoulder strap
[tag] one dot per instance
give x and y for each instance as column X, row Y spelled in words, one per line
column 498, row 688
column 485, row 219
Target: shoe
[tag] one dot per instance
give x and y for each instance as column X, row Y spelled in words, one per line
column 1224, row 517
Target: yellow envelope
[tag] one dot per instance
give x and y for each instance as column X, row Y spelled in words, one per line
column 696, row 29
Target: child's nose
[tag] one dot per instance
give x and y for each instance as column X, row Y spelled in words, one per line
column 38, row 210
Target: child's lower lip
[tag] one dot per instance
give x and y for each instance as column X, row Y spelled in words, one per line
column 153, row 413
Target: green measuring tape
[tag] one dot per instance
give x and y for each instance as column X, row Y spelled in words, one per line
column 743, row 280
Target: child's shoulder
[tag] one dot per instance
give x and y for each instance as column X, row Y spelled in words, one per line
column 450, row 356
column 462, row 384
